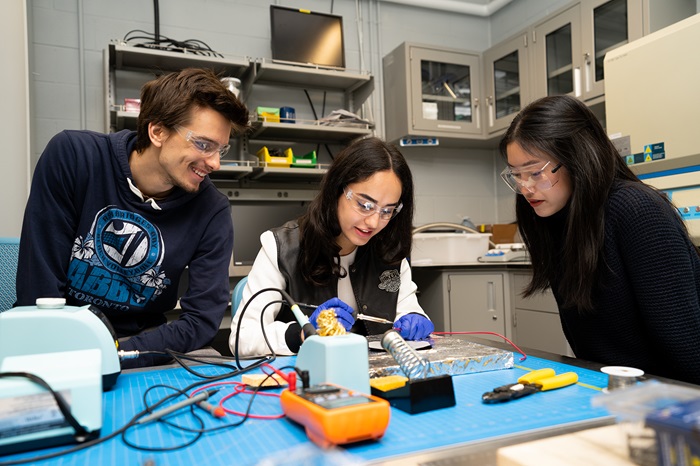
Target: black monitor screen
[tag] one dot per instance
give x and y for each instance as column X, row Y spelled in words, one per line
column 302, row 36
column 252, row 219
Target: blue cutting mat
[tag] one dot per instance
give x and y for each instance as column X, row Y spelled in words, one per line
column 469, row 421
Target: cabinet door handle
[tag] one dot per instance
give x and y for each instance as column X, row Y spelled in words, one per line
column 491, row 111
column 491, row 296
column 577, row 81
column 587, row 71
column 476, row 112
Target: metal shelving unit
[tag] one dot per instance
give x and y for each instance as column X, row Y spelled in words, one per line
column 127, row 66
column 139, row 64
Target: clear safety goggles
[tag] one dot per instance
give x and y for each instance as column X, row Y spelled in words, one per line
column 365, row 207
column 530, row 178
column 203, row 145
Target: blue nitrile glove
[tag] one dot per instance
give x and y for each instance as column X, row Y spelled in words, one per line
column 342, row 311
column 414, row 326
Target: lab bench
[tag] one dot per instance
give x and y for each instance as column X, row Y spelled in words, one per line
column 468, row 433
column 486, row 297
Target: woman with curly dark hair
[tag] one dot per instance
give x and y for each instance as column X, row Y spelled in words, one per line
column 347, row 252
column 614, row 250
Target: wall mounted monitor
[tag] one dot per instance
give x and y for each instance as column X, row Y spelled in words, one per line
column 303, row 37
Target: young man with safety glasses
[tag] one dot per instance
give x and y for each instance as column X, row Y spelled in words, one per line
column 114, row 219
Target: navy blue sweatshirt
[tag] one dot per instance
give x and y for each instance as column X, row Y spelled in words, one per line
column 647, row 301
column 87, row 237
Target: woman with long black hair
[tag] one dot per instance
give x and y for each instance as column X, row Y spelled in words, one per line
column 614, row 250
column 348, row 252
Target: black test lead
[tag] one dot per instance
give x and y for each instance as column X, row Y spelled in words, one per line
column 198, row 398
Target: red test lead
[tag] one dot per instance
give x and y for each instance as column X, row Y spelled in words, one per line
column 216, row 411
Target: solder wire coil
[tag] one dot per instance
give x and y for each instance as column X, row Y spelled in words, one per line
column 410, row 362
column 621, row 377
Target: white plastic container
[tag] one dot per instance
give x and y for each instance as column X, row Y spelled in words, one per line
column 448, row 248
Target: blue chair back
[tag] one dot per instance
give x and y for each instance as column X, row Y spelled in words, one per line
column 9, row 252
column 237, row 294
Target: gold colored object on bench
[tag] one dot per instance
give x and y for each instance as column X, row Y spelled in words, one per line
column 328, row 324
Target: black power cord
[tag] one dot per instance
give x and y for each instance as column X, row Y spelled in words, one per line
column 81, row 434
column 134, row 421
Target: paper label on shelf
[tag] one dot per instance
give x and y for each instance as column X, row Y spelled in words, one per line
column 419, row 142
column 622, row 144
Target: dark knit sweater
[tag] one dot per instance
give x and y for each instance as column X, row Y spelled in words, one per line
column 647, row 301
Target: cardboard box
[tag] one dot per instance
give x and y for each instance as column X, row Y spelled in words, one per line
column 501, row 233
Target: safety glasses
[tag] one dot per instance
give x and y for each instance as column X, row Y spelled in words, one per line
column 203, row 145
column 365, row 207
column 537, row 178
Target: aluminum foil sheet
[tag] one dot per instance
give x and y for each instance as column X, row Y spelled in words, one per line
column 447, row 355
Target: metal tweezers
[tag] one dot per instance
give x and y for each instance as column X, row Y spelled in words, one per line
column 358, row 316
column 374, row 319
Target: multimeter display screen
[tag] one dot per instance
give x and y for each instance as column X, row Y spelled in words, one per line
column 342, row 402
column 331, row 397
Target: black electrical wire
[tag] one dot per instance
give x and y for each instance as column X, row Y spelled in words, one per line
column 313, row 110
column 323, row 108
column 243, row 311
column 80, row 433
column 76, row 448
column 156, row 20
column 149, row 408
column 160, row 42
column 179, row 357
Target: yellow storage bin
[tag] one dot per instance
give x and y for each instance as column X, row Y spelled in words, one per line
column 270, row 114
column 275, row 157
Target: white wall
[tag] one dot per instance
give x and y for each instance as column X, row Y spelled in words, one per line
column 519, row 14
column 14, row 124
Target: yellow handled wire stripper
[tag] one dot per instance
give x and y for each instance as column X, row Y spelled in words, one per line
column 536, row 381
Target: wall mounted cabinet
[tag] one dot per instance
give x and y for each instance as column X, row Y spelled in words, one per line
column 557, row 56
column 570, row 46
column 605, row 25
column 431, row 92
column 507, row 83
column 561, row 54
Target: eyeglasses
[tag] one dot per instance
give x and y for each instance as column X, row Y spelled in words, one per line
column 366, row 208
column 204, row 145
column 532, row 179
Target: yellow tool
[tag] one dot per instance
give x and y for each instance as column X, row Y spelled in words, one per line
column 536, row 381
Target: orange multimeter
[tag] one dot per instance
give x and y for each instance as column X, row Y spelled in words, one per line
column 333, row 415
